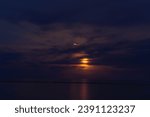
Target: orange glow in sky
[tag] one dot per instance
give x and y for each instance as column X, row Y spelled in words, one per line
column 84, row 60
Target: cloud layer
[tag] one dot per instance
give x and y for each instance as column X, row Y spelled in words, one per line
column 109, row 32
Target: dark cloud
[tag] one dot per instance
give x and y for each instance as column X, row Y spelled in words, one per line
column 39, row 33
column 130, row 54
column 99, row 12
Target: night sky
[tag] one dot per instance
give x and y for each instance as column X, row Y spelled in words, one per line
column 38, row 34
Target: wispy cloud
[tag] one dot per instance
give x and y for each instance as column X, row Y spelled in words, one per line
column 55, row 42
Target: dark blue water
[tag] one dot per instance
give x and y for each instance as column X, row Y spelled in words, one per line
column 78, row 81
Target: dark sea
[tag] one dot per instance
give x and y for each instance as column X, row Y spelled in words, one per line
column 74, row 82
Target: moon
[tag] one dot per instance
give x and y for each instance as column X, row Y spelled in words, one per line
column 84, row 61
